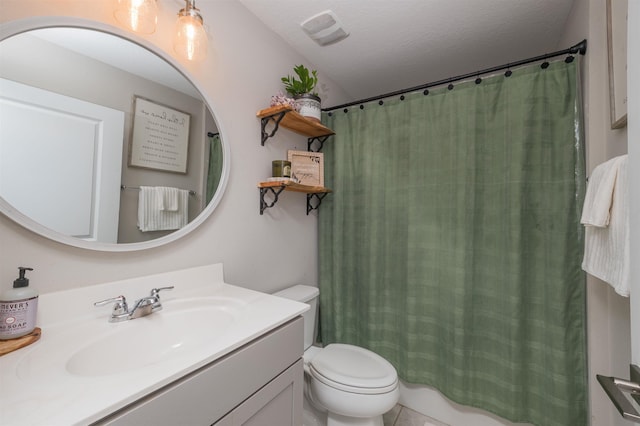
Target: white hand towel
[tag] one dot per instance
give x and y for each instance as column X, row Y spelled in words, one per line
column 599, row 197
column 152, row 218
column 606, row 254
column 168, row 198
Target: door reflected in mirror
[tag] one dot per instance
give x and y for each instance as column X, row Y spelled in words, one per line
column 67, row 120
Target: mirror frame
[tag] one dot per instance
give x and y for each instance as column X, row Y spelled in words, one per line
column 12, row 28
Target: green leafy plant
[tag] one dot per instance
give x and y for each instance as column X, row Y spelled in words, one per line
column 304, row 83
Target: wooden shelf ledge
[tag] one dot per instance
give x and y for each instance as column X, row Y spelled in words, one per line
column 296, row 187
column 296, row 122
column 315, row 194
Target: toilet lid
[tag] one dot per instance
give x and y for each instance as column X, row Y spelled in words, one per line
column 354, row 369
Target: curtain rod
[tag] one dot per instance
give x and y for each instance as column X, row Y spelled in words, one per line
column 578, row 48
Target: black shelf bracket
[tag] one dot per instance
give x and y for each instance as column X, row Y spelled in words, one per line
column 276, row 119
column 275, row 192
column 320, row 139
column 314, row 206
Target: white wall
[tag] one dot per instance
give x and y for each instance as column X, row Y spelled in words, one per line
column 242, row 71
column 633, row 86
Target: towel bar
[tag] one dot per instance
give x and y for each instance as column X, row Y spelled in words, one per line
column 123, row 187
column 617, row 388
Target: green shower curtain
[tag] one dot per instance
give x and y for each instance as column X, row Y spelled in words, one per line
column 215, row 165
column 451, row 244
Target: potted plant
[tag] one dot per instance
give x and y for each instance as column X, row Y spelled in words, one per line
column 302, row 88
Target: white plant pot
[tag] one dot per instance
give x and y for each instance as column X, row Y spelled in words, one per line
column 308, row 105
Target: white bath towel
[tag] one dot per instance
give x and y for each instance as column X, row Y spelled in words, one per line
column 606, row 219
column 152, row 218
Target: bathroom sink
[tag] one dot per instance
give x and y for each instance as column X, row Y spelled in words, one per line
column 96, row 347
column 84, row 367
column 178, row 329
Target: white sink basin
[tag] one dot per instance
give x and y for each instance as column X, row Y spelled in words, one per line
column 179, row 328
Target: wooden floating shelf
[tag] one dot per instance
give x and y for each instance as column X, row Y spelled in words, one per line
column 296, row 122
column 296, row 187
column 316, row 193
column 285, row 116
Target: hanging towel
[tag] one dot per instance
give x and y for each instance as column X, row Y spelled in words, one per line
column 153, row 214
column 599, row 196
column 606, row 218
column 168, row 198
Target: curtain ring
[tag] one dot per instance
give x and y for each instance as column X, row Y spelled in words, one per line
column 508, row 72
column 544, row 65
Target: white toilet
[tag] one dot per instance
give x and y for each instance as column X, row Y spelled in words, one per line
column 353, row 385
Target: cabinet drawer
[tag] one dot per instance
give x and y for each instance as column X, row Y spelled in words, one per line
column 277, row 403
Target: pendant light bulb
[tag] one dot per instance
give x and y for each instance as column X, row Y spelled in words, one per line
column 139, row 16
column 190, row 40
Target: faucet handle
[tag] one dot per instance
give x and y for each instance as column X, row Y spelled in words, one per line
column 119, row 307
column 155, row 291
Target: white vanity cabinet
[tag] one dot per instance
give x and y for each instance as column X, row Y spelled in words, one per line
column 258, row 384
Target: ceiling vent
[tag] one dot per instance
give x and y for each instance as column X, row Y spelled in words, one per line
column 324, row 28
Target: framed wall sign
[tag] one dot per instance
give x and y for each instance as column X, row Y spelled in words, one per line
column 307, row 167
column 159, row 137
column 617, row 45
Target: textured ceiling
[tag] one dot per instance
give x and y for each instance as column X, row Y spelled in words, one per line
column 396, row 44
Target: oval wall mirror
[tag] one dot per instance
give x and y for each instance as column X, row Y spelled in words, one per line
column 104, row 144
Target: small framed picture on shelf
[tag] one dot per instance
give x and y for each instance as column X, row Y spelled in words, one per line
column 307, row 167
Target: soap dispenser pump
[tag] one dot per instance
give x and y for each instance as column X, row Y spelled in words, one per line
column 18, row 308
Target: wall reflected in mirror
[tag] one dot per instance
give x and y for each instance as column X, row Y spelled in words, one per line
column 66, row 128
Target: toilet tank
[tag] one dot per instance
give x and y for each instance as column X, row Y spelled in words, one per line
column 309, row 295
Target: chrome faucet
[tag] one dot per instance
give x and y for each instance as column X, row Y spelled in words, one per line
column 141, row 308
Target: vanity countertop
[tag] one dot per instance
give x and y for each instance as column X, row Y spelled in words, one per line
column 84, row 367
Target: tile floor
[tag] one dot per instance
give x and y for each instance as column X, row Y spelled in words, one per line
column 398, row 416
column 403, row 416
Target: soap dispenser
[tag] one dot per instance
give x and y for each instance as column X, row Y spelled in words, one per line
column 18, row 308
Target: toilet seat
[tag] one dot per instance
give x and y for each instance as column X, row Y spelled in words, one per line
column 353, row 369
